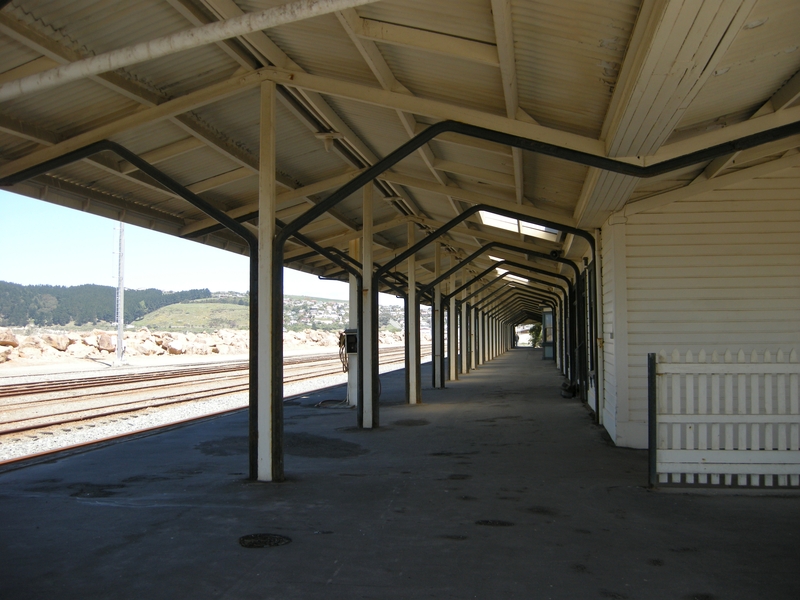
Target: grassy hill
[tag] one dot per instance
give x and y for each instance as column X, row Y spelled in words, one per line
column 214, row 313
column 300, row 312
column 196, row 317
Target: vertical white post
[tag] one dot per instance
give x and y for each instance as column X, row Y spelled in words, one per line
column 121, row 296
column 498, row 337
column 478, row 335
column 438, row 376
column 489, row 332
column 414, row 379
column 485, row 334
column 266, row 233
column 352, row 359
column 453, row 333
column 368, row 333
column 464, row 332
column 492, row 338
column 482, row 357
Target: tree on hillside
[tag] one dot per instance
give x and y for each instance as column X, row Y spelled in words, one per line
column 60, row 305
column 41, row 309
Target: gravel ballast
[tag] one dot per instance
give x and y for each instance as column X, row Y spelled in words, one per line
column 16, row 446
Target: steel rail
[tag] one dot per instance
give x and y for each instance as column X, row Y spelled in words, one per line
column 322, row 369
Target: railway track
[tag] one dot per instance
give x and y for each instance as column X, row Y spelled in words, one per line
column 29, row 406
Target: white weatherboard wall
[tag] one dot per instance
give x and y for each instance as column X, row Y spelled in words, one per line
column 615, row 411
column 716, row 271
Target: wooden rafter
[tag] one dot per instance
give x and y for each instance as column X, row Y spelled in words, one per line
column 335, row 87
column 428, row 41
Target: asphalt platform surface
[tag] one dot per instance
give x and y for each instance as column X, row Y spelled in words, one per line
column 495, row 487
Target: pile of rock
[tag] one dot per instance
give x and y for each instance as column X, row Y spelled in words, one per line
column 311, row 338
column 99, row 344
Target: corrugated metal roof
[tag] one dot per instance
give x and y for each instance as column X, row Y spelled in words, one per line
column 552, row 183
column 13, row 146
column 446, row 78
column 69, row 109
column 196, row 165
column 321, row 47
column 567, row 58
column 380, row 128
column 144, row 139
column 186, row 72
column 14, row 54
column 99, row 25
column 468, row 19
column 86, row 174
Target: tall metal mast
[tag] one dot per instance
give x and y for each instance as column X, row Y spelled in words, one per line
column 121, row 296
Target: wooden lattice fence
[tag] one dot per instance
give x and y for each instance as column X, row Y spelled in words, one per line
column 724, row 420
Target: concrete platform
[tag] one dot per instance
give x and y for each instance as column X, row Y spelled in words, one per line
column 392, row 513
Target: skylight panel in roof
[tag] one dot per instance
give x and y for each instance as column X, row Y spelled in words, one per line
column 515, row 278
column 523, row 227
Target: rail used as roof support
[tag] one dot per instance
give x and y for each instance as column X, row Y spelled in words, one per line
column 515, row 141
column 601, row 162
column 487, row 248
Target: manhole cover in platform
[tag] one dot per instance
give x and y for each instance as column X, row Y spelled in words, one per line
column 263, row 540
column 494, row 523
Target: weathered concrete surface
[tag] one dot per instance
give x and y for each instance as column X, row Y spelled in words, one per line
column 393, row 512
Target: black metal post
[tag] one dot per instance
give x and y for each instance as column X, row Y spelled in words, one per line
column 652, row 422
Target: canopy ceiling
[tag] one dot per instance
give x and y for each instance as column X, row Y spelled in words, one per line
column 641, row 81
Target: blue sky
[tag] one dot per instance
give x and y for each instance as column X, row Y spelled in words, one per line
column 42, row 243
